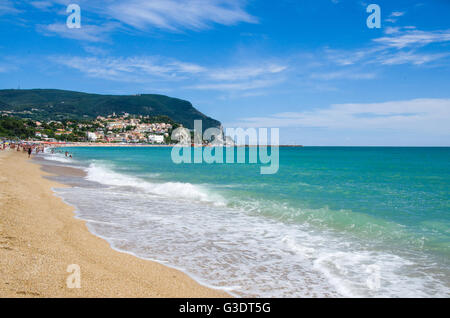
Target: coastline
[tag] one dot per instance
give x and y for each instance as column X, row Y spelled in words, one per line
column 40, row 238
column 90, row 144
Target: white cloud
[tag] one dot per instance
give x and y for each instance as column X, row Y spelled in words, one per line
column 410, row 58
column 240, row 73
column 347, row 74
column 7, row 7
column 414, row 38
column 400, row 46
column 170, row 15
column 346, row 58
column 42, row 5
column 397, row 14
column 391, row 30
column 94, row 50
column 189, row 68
column 131, row 69
column 417, row 115
column 238, row 86
column 151, row 68
column 89, row 33
column 176, row 14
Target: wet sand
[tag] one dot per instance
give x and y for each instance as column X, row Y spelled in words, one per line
column 40, row 238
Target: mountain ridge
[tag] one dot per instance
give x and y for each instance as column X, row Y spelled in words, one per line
column 56, row 104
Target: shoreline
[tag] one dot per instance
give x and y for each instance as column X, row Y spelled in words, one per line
column 40, row 236
column 91, row 144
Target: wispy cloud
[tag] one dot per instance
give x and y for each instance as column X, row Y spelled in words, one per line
column 343, row 74
column 410, row 58
column 131, row 69
column 414, row 38
column 237, row 86
column 330, row 65
column 401, row 45
column 426, row 115
column 89, row 33
column 168, row 15
column 42, row 5
column 95, row 50
column 242, row 73
column 397, row 14
column 176, row 15
column 152, row 68
column 391, row 30
column 392, row 18
column 350, row 57
column 7, row 7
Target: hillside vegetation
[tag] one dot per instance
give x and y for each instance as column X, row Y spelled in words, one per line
column 52, row 104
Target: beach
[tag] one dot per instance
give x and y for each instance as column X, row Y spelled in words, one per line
column 333, row 222
column 138, row 224
column 40, row 238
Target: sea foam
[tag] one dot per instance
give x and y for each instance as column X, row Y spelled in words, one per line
column 251, row 246
column 179, row 190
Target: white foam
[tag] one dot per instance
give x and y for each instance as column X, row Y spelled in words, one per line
column 246, row 254
column 57, row 157
column 239, row 249
column 180, row 190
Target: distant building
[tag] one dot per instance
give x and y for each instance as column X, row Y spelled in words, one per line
column 159, row 139
column 91, row 136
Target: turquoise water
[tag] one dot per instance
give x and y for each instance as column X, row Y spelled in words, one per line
column 333, row 213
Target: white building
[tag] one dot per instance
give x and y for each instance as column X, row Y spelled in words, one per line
column 156, row 138
column 91, row 136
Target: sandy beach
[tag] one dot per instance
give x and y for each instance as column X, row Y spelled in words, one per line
column 40, row 238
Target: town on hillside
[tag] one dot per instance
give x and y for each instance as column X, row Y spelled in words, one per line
column 114, row 128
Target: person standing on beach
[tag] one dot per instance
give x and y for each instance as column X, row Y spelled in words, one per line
column 29, row 152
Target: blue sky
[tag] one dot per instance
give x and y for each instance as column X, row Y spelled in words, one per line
column 312, row 68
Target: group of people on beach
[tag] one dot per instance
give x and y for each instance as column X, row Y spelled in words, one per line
column 25, row 147
column 29, row 148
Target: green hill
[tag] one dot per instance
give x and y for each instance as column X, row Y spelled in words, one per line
column 53, row 104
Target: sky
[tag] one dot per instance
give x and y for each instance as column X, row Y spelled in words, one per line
column 313, row 69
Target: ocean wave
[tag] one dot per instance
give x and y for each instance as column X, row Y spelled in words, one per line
column 57, row 157
column 247, row 255
column 351, row 224
column 178, row 190
column 251, row 243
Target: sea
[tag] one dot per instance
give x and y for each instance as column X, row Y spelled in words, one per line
column 332, row 222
